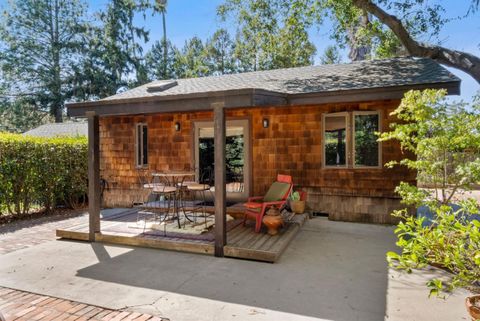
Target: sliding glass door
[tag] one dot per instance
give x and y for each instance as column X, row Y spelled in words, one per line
column 236, row 156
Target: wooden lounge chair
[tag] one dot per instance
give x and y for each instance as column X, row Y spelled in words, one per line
column 276, row 195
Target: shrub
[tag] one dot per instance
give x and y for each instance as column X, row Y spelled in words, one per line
column 43, row 172
column 445, row 140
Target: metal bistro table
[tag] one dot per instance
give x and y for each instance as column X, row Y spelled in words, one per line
column 175, row 180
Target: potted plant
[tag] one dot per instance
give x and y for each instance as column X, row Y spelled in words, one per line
column 297, row 202
column 445, row 232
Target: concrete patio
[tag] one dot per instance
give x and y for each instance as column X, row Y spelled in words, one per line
column 330, row 271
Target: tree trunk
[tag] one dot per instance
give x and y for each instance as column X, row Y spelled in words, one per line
column 452, row 58
column 358, row 51
column 57, row 106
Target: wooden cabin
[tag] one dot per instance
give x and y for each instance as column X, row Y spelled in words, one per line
column 316, row 123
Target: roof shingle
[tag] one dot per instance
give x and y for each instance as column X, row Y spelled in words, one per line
column 311, row 79
column 59, row 129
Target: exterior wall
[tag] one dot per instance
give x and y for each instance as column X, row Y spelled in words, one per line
column 292, row 144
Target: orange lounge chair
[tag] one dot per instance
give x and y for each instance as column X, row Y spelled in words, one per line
column 276, row 195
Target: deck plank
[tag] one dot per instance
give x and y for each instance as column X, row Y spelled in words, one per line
column 242, row 241
column 234, row 240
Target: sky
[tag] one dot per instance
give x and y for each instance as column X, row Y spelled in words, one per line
column 188, row 18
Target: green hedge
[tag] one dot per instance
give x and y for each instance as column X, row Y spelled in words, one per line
column 41, row 172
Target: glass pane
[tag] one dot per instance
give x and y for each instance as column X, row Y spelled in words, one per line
column 366, row 145
column 206, row 159
column 335, row 140
column 139, row 145
column 145, row 145
column 234, row 157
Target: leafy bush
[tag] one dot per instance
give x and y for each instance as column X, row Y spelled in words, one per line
column 42, row 172
column 445, row 142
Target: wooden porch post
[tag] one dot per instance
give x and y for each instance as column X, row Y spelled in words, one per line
column 93, row 176
column 220, row 192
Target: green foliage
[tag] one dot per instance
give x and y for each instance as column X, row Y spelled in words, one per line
column 21, row 115
column 451, row 243
column 41, row 171
column 330, row 56
column 295, row 196
column 271, row 33
column 444, row 140
column 154, row 59
column 219, row 50
column 190, row 61
column 121, row 39
column 40, row 47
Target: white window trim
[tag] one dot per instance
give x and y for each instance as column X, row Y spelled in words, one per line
column 347, row 139
column 373, row 112
column 140, row 148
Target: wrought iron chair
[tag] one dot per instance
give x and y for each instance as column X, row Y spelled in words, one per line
column 198, row 192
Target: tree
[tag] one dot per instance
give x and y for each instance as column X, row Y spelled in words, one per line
column 330, row 56
column 161, row 6
column 381, row 28
column 120, row 50
column 21, row 115
column 154, row 59
column 219, row 51
column 397, row 27
column 271, row 33
column 450, row 57
column 41, row 40
column 190, row 61
column 445, row 140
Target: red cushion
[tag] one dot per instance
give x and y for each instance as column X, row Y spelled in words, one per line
column 253, row 205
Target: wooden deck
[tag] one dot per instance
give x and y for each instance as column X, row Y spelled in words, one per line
column 242, row 241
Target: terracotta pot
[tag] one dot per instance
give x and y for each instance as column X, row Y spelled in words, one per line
column 298, row 207
column 273, row 220
column 473, row 306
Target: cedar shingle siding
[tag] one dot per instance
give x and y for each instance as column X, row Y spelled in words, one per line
column 291, row 145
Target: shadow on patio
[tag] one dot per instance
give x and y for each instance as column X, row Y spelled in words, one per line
column 334, row 271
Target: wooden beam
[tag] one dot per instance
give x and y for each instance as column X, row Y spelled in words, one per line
column 93, row 176
column 220, row 179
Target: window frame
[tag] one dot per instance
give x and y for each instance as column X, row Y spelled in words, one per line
column 139, row 145
column 347, row 139
column 369, row 112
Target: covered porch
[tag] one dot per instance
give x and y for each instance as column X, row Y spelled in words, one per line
column 124, row 157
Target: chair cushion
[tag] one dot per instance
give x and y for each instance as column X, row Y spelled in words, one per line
column 276, row 192
column 198, row 187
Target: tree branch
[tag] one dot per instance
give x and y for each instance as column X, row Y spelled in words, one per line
column 453, row 58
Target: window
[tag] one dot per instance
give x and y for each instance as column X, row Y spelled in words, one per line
column 335, row 140
column 350, row 140
column 141, row 145
column 366, row 149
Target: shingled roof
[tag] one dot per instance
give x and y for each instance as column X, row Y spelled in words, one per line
column 357, row 75
column 59, row 129
column 290, row 83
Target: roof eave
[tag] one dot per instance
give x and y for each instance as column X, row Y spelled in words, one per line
column 178, row 103
column 370, row 94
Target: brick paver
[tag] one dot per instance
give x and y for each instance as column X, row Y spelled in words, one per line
column 22, row 234
column 18, row 305
column 24, row 306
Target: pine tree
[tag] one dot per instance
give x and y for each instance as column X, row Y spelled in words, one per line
column 41, row 40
